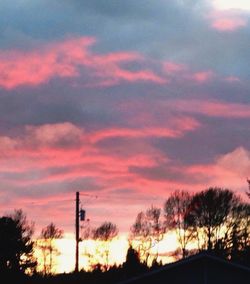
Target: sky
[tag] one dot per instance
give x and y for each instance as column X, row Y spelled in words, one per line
column 124, row 101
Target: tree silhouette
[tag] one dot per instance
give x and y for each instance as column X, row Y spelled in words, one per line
column 104, row 234
column 238, row 233
column 133, row 265
column 210, row 216
column 176, row 208
column 147, row 231
column 48, row 247
column 16, row 245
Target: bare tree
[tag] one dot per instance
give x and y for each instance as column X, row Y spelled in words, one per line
column 104, row 234
column 147, row 231
column 176, row 208
column 210, row 212
column 48, row 247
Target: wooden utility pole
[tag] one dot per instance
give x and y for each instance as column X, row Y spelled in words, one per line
column 77, row 232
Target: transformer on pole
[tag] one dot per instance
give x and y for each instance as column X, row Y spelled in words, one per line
column 82, row 215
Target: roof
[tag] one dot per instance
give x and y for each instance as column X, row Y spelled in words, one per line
column 198, row 257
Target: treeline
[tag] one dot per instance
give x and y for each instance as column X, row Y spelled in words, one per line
column 214, row 220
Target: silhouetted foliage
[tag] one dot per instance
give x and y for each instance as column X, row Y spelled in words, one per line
column 176, row 209
column 147, row 231
column 215, row 219
column 104, row 234
column 16, row 245
column 210, row 214
column 132, row 265
column 47, row 245
column 107, row 231
column 238, row 234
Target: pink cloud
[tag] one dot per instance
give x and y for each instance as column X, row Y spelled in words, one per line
column 179, row 127
column 212, row 108
column 145, row 75
column 6, row 144
column 35, row 67
column 64, row 134
column 226, row 171
column 227, row 21
column 52, row 164
column 182, row 72
column 202, row 76
column 55, row 163
column 185, row 124
column 67, row 146
column 230, row 162
column 132, row 133
column 65, row 59
column 171, row 67
column 227, row 24
column 49, row 164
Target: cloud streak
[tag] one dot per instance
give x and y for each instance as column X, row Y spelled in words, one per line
column 213, row 108
column 65, row 59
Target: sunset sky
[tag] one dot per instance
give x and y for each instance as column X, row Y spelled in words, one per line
column 124, row 101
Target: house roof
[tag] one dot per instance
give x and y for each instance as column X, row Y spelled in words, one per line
column 198, row 257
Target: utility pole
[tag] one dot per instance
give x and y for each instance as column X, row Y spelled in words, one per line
column 77, row 232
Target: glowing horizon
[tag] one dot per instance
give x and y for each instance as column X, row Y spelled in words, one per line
column 65, row 261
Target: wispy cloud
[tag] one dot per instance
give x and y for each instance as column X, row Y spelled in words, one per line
column 65, row 59
column 213, row 108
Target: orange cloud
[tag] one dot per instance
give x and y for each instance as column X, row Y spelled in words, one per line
column 65, row 59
